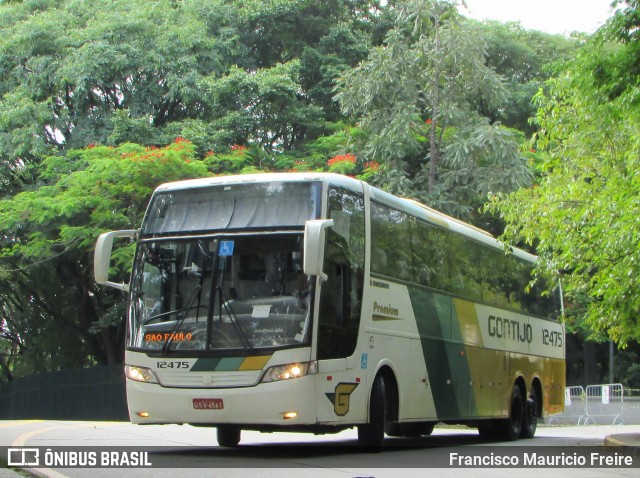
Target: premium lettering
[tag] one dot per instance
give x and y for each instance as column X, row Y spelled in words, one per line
column 385, row 309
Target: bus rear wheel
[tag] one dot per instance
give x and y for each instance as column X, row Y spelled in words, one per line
column 530, row 415
column 228, row 436
column 371, row 435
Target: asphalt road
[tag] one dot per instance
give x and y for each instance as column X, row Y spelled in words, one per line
column 187, row 451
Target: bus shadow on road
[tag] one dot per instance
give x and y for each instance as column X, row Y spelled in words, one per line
column 397, row 453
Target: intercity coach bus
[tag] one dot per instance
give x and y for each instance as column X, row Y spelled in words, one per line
column 315, row 302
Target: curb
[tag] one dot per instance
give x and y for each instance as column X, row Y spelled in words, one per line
column 626, row 441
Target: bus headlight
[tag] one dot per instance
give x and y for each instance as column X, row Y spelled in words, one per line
column 289, row 371
column 140, row 374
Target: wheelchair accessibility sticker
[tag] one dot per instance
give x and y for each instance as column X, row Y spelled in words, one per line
column 226, row 248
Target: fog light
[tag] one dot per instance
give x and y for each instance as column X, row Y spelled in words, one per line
column 143, row 414
column 289, row 415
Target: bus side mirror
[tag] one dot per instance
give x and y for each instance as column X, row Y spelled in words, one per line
column 102, row 257
column 314, row 239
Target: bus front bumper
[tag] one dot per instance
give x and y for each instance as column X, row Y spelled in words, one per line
column 282, row 403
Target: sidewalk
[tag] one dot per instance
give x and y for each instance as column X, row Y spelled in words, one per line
column 628, row 441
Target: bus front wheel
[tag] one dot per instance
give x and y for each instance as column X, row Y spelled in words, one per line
column 228, row 436
column 371, row 435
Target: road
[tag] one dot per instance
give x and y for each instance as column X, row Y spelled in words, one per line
column 194, row 452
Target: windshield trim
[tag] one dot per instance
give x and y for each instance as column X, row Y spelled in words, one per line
column 213, row 233
column 245, row 350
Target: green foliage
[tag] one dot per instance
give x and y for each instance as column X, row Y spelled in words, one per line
column 217, row 72
column 584, row 216
column 263, row 105
column 91, row 94
column 418, row 98
column 49, row 300
column 524, row 59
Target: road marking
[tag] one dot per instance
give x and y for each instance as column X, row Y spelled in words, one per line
column 19, row 423
column 21, row 441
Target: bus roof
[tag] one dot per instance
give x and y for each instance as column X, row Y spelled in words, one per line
column 410, row 206
column 263, row 177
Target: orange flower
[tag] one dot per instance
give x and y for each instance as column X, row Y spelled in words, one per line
column 340, row 158
column 372, row 165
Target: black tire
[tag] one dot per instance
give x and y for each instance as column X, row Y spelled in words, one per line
column 530, row 422
column 371, row 435
column 487, row 430
column 228, row 436
column 511, row 428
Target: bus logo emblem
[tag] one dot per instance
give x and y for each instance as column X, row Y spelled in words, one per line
column 341, row 398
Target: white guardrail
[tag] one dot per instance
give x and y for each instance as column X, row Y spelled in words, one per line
column 597, row 405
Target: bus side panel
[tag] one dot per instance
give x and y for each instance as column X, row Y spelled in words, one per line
column 554, row 396
column 392, row 340
column 553, row 385
column 549, row 371
column 341, row 392
column 467, row 380
column 444, row 354
column 490, row 383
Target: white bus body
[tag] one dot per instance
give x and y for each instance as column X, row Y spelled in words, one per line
column 315, row 302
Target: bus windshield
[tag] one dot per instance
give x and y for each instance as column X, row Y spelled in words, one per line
column 220, row 293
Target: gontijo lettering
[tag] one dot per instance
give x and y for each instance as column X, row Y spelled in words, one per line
column 510, row 329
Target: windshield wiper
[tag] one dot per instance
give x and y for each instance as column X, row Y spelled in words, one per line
column 237, row 326
column 217, row 293
column 180, row 321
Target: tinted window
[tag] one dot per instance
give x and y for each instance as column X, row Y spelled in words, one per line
column 406, row 248
column 340, row 300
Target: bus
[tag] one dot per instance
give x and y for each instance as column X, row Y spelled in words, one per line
column 314, row 302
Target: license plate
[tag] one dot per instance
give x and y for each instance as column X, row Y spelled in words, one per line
column 208, row 404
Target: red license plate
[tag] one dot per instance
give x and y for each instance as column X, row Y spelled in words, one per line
column 208, row 404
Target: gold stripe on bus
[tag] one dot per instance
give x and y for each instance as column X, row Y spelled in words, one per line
column 468, row 322
column 254, row 363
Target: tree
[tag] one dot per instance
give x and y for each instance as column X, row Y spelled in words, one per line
column 50, row 307
column 524, row 59
column 417, row 98
column 110, row 72
column 84, row 83
column 583, row 218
